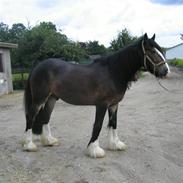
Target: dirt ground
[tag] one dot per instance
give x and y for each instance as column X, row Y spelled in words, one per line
column 150, row 122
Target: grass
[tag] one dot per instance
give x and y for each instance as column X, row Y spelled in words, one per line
column 177, row 62
column 20, row 76
column 19, row 80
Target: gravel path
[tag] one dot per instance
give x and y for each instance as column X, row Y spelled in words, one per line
column 150, row 121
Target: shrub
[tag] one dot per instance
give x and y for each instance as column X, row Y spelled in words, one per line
column 177, row 62
column 19, row 79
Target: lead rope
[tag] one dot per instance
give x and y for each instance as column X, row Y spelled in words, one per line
column 168, row 90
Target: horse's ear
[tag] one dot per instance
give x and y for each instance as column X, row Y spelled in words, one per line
column 153, row 38
column 145, row 37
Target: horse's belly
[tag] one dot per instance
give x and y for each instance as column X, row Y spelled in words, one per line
column 80, row 99
column 91, row 99
column 86, row 94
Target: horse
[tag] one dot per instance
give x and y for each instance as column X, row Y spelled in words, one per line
column 102, row 83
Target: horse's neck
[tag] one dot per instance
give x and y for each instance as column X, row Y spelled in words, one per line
column 125, row 65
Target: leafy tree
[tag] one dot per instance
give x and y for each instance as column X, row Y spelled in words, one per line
column 16, row 32
column 36, row 44
column 44, row 41
column 94, row 48
column 73, row 52
column 4, row 32
column 47, row 26
column 124, row 38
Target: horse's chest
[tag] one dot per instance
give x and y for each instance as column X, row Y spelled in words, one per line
column 111, row 95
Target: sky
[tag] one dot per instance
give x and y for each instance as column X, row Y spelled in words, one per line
column 101, row 20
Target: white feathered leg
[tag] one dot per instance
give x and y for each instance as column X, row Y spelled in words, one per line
column 46, row 137
column 113, row 141
column 28, row 144
column 95, row 151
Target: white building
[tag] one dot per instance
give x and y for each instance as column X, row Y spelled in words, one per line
column 5, row 68
column 175, row 52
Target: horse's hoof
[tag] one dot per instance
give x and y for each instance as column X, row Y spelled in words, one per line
column 117, row 145
column 30, row 146
column 95, row 151
column 49, row 141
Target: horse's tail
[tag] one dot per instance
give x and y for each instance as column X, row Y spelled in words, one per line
column 27, row 100
column 37, row 125
column 27, row 96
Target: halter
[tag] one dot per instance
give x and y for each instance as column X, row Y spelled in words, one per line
column 150, row 60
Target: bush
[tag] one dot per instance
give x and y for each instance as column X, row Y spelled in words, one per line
column 177, row 62
column 19, row 84
column 19, row 79
column 73, row 52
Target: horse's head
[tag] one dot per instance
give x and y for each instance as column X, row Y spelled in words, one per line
column 154, row 60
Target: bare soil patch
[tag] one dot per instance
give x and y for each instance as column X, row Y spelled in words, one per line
column 150, row 122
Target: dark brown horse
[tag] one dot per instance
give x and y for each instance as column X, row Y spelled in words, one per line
column 102, row 83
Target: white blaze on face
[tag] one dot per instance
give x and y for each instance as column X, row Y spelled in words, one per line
column 162, row 56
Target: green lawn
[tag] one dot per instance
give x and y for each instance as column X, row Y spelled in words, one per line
column 177, row 62
column 20, row 76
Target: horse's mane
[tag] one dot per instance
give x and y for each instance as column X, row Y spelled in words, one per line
column 105, row 59
column 123, row 56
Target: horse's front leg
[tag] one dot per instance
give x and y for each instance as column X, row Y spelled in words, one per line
column 114, row 142
column 94, row 150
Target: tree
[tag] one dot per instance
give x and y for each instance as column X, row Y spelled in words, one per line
column 181, row 36
column 12, row 34
column 4, row 32
column 38, row 43
column 47, row 26
column 123, row 38
column 16, row 32
column 43, row 41
column 73, row 52
column 94, row 48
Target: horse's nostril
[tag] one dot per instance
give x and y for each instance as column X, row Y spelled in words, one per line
column 165, row 72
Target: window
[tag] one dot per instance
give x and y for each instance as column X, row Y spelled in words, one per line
column 1, row 63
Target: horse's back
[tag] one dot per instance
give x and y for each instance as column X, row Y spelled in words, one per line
column 49, row 64
column 61, row 78
column 49, row 68
column 73, row 83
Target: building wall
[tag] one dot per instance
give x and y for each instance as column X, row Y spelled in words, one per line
column 6, row 85
column 176, row 52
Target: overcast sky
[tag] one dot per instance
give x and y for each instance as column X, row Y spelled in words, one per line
column 83, row 20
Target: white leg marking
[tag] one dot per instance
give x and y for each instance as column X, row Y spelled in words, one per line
column 95, row 151
column 28, row 144
column 114, row 108
column 46, row 137
column 113, row 141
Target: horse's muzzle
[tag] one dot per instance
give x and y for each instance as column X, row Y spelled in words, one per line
column 161, row 71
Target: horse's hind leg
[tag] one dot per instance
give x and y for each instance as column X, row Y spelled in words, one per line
column 113, row 140
column 94, row 150
column 28, row 144
column 41, row 124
